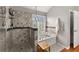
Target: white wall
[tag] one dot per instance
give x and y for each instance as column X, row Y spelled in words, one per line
column 39, row 8
column 64, row 14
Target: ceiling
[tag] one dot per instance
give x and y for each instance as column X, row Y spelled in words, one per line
column 39, row 8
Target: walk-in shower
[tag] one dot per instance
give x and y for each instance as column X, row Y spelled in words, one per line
column 16, row 33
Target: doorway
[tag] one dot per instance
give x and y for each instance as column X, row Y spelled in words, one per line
column 74, row 29
column 71, row 29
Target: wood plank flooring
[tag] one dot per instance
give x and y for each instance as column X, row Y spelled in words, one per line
column 71, row 49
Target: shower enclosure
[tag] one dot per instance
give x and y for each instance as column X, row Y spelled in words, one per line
column 39, row 22
column 16, row 31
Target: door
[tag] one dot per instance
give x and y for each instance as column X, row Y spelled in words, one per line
column 76, row 28
column 39, row 21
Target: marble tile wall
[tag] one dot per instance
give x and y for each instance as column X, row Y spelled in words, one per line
column 20, row 41
column 2, row 16
column 2, row 30
column 22, row 37
column 2, row 40
column 21, row 19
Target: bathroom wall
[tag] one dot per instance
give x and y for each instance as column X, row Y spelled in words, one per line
column 18, row 36
column 19, row 40
column 2, row 40
column 63, row 12
column 2, row 30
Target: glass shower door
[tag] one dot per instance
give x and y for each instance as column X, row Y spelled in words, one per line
column 39, row 22
column 41, row 27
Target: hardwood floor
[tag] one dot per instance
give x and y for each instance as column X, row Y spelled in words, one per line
column 64, row 50
column 71, row 49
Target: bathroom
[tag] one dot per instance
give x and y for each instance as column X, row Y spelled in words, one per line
column 37, row 28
